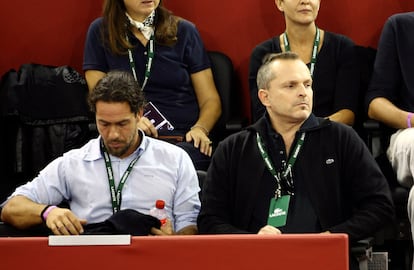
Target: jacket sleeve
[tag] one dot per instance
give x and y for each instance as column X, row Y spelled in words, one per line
column 217, row 212
column 365, row 191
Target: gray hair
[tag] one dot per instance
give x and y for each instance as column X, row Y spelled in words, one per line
column 265, row 74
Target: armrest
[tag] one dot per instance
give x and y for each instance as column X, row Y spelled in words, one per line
column 377, row 136
column 371, row 125
column 362, row 250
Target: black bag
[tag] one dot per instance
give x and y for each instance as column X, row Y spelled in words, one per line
column 43, row 113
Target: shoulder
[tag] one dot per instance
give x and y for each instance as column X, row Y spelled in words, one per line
column 187, row 31
column 407, row 17
column 236, row 142
column 341, row 133
column 338, row 39
column 95, row 28
column 339, row 127
column 186, row 28
column 96, row 24
column 88, row 152
column 186, row 24
column 267, row 46
column 339, row 47
column 160, row 147
column 326, row 127
column 401, row 23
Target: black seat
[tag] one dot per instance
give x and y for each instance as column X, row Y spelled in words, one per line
column 231, row 119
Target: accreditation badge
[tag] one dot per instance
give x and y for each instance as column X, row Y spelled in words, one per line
column 278, row 211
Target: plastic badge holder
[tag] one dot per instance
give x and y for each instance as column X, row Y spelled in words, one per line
column 156, row 117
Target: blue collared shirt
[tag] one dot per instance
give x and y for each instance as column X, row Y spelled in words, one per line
column 163, row 171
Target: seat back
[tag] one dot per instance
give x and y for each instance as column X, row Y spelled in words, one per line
column 366, row 58
column 231, row 119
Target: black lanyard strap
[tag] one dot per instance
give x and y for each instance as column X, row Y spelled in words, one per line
column 286, row 172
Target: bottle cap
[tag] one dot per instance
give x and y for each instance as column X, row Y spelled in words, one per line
column 160, row 204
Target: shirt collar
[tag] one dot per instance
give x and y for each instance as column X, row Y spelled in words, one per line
column 311, row 123
column 94, row 151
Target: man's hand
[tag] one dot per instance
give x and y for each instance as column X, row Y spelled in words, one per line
column 62, row 221
column 166, row 229
column 269, row 230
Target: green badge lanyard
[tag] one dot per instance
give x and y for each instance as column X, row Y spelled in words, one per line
column 314, row 51
column 116, row 192
column 287, row 170
column 150, row 52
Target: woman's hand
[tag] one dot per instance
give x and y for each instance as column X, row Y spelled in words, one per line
column 200, row 140
column 145, row 125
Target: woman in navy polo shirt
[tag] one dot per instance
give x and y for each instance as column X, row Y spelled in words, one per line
column 167, row 57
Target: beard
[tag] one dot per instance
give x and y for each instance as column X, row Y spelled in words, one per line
column 121, row 149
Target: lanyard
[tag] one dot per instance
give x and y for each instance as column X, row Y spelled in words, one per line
column 286, row 172
column 314, row 51
column 116, row 192
column 150, row 53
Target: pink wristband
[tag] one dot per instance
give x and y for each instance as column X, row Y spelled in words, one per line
column 47, row 211
column 409, row 119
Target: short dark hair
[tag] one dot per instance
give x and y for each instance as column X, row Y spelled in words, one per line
column 264, row 74
column 117, row 86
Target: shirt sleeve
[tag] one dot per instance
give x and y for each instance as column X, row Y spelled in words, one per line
column 348, row 77
column 48, row 187
column 386, row 74
column 336, row 77
column 186, row 199
column 195, row 55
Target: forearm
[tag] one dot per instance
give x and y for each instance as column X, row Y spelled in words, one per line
column 188, row 230
column 208, row 99
column 92, row 77
column 344, row 116
column 383, row 110
column 210, row 112
column 21, row 212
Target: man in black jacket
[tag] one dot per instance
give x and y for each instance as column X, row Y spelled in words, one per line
column 292, row 172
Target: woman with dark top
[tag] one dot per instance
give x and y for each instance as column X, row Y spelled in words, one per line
column 330, row 57
column 167, row 57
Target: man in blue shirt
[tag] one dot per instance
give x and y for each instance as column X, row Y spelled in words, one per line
column 121, row 169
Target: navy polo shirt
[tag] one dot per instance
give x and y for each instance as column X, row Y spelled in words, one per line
column 169, row 86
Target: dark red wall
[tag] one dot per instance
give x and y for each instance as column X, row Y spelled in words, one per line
column 53, row 32
column 46, row 32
